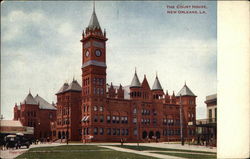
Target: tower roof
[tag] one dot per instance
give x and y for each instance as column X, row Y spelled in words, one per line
column 157, row 84
column 135, row 81
column 74, row 86
column 93, row 23
column 29, row 100
column 43, row 104
column 63, row 88
column 185, row 91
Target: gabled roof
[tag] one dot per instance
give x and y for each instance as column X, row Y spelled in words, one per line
column 29, row 100
column 145, row 83
column 63, row 88
column 93, row 23
column 74, row 86
column 157, row 84
column 43, row 104
column 185, row 91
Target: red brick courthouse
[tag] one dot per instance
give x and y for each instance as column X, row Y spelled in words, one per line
column 101, row 112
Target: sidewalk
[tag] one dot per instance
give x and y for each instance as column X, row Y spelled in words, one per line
column 177, row 146
column 142, row 153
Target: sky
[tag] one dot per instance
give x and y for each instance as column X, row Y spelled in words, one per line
column 41, row 49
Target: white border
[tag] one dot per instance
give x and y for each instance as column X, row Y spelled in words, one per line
column 233, row 80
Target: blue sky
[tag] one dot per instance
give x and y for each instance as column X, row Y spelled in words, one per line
column 41, row 49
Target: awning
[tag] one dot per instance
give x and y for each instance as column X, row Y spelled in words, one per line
column 85, row 118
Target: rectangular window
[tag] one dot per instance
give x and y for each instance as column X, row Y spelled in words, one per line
column 95, row 108
column 101, row 118
column 113, row 119
column 84, row 131
column 117, row 119
column 210, row 115
column 101, row 108
column 134, row 120
column 109, row 131
column 164, row 121
column 125, row 119
column 126, row 132
column 154, row 121
column 101, row 131
column 87, row 131
column 114, row 131
column 135, row 131
column 123, row 132
column 134, row 111
column 118, row 131
column 95, row 131
column 108, row 119
column 122, row 119
column 95, row 118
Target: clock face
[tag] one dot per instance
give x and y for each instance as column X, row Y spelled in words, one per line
column 98, row 53
column 87, row 53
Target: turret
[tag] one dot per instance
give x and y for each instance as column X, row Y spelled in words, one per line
column 111, row 91
column 135, row 88
column 167, row 98
column 173, row 98
column 157, row 90
column 187, row 98
column 120, row 92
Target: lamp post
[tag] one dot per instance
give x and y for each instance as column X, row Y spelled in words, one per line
column 181, row 122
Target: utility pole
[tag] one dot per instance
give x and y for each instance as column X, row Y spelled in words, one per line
column 181, row 122
column 67, row 133
column 138, row 122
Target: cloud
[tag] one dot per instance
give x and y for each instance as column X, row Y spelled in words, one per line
column 17, row 21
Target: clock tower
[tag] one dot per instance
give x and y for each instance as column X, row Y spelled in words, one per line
column 93, row 74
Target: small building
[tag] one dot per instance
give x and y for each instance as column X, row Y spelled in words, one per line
column 211, row 102
column 207, row 128
column 36, row 112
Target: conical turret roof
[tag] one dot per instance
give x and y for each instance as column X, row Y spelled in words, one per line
column 185, row 91
column 93, row 23
column 135, row 81
column 29, row 100
column 157, row 84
